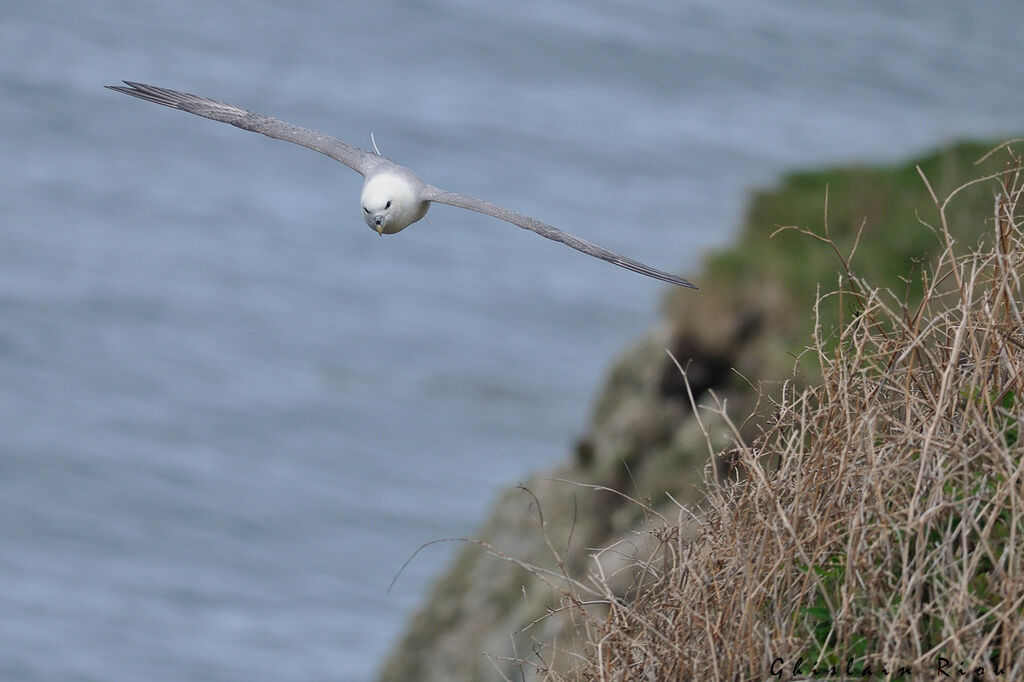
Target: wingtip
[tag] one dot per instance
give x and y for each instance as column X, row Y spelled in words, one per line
column 673, row 279
column 132, row 87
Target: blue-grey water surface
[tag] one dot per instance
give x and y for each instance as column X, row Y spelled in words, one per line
column 229, row 411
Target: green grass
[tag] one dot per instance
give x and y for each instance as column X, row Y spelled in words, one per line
column 886, row 211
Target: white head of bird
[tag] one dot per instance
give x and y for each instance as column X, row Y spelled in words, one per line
column 391, row 203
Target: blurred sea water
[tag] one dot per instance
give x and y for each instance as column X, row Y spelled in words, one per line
column 229, row 411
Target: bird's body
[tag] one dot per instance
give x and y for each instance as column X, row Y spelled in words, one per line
column 393, row 196
column 391, row 199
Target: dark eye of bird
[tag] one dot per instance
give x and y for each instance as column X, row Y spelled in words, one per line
column 388, row 205
column 366, row 210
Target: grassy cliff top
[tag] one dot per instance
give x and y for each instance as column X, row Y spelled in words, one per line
column 775, row 272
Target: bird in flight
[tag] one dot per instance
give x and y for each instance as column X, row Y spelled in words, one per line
column 393, row 196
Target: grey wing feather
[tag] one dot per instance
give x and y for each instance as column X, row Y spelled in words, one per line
column 355, row 158
column 545, row 230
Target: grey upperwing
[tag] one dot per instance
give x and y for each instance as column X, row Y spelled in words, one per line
column 543, row 229
column 355, row 158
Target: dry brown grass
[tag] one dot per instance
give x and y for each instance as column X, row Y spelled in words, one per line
column 876, row 527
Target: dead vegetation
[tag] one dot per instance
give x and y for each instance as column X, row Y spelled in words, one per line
column 874, row 529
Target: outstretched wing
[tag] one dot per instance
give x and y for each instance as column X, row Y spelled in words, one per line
column 545, row 230
column 355, row 158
